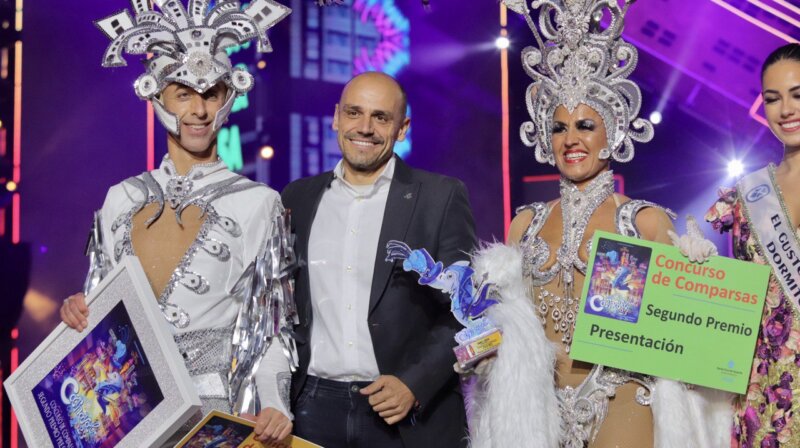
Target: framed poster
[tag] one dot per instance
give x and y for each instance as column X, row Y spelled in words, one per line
column 120, row 382
column 222, row 430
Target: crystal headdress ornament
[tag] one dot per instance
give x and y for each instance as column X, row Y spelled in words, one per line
column 577, row 62
column 188, row 46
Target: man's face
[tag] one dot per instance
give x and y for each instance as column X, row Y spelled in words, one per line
column 369, row 118
column 196, row 114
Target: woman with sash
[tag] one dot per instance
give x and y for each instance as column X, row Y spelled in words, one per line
column 762, row 213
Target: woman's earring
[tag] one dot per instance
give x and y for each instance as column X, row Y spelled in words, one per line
column 605, row 153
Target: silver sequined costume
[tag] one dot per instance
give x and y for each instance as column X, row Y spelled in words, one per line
column 209, row 300
column 582, row 408
column 578, row 61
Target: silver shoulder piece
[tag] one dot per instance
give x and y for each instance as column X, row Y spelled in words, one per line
column 540, row 212
column 626, row 216
column 267, row 312
column 535, row 251
column 99, row 263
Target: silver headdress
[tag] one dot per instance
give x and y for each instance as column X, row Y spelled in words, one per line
column 188, row 46
column 576, row 62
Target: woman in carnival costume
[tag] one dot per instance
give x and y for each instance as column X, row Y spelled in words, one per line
column 584, row 114
column 762, row 213
column 214, row 245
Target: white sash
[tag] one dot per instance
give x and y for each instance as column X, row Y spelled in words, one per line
column 775, row 234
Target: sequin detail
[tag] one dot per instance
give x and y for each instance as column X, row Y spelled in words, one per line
column 195, row 282
column 284, row 380
column 207, row 355
column 177, row 189
column 217, row 249
column 584, row 408
column 205, row 351
column 230, row 226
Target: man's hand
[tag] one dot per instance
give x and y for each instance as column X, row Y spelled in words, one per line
column 74, row 312
column 693, row 244
column 271, row 425
column 390, row 398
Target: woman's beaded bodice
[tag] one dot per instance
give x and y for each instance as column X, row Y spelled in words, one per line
column 584, row 407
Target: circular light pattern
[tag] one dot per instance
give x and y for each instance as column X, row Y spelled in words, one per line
column 267, row 152
column 11, row 186
column 502, row 42
column 735, row 168
column 655, row 117
column 261, row 64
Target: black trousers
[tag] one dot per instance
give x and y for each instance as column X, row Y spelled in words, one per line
column 334, row 414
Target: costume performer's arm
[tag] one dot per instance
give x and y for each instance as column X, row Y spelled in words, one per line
column 654, row 225
column 100, row 246
column 428, row 374
column 260, row 348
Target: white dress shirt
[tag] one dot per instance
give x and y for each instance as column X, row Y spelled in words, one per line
column 341, row 258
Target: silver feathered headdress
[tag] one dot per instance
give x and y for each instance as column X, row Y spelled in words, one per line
column 576, row 62
column 188, row 46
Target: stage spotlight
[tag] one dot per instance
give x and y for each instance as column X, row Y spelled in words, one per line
column 502, row 42
column 261, row 64
column 735, row 168
column 266, row 152
column 11, row 186
column 655, row 117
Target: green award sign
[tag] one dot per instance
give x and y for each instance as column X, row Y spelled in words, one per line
column 646, row 308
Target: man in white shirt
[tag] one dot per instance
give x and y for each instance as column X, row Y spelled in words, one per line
column 375, row 347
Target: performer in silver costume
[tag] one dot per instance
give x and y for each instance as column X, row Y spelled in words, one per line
column 215, row 246
column 584, row 114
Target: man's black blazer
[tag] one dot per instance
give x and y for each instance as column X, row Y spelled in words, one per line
column 411, row 326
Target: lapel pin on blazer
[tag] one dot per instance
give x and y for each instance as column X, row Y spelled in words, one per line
column 408, row 195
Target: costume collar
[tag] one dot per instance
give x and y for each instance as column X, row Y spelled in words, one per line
column 197, row 171
column 601, row 185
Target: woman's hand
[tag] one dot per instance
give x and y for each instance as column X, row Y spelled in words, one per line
column 693, row 244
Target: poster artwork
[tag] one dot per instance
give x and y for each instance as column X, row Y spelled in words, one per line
column 101, row 390
column 618, row 280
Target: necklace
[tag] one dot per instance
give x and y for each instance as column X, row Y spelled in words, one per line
column 577, row 208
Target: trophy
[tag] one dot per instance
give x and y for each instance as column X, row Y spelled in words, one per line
column 469, row 300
